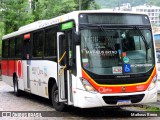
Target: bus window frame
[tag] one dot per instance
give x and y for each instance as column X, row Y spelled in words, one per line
column 55, row 29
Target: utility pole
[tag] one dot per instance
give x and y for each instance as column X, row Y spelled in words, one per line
column 80, row 4
column 33, row 4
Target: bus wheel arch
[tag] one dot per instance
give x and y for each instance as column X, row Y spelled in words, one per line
column 51, row 82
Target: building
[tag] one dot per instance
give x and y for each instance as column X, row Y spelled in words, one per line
column 152, row 11
column 124, row 7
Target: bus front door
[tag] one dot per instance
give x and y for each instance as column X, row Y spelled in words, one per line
column 62, row 71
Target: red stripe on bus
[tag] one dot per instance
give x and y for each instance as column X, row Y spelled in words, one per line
column 9, row 67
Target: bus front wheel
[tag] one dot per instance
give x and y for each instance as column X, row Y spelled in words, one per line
column 16, row 88
column 59, row 106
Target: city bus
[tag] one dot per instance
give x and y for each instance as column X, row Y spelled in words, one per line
column 85, row 59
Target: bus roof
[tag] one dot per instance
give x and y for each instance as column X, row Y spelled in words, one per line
column 72, row 15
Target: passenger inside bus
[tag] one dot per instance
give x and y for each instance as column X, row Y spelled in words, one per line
column 128, row 44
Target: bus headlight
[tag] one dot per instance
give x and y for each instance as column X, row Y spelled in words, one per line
column 88, row 87
column 153, row 83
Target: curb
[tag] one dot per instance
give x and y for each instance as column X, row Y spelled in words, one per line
column 155, row 106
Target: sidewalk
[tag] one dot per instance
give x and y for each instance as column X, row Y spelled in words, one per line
column 157, row 104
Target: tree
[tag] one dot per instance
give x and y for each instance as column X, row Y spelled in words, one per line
column 51, row 8
column 1, row 34
column 154, row 2
column 15, row 13
column 85, row 4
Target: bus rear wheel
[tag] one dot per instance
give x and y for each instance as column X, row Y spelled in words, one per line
column 59, row 106
column 16, row 88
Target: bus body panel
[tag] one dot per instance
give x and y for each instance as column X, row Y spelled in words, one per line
column 8, row 69
column 11, row 69
column 40, row 72
column 4, row 66
column 87, row 100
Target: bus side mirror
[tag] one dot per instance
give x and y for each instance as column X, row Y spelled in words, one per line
column 77, row 38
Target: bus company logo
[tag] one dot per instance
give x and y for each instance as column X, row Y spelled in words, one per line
column 19, row 68
column 123, row 89
column 104, row 90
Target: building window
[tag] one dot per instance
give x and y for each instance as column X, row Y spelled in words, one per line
column 141, row 10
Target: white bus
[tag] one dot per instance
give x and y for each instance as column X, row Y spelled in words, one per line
column 84, row 59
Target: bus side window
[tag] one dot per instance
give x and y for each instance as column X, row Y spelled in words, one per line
column 12, row 48
column 50, row 45
column 18, row 47
column 5, row 47
column 38, row 44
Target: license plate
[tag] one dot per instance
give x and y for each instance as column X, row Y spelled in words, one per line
column 123, row 102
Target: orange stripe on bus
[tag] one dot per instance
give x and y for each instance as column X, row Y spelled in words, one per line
column 137, row 87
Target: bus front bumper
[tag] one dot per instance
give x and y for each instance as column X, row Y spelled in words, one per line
column 89, row 100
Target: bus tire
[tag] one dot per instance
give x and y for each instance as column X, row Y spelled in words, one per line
column 16, row 88
column 59, row 106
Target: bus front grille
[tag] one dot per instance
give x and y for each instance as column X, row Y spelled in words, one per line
column 114, row 99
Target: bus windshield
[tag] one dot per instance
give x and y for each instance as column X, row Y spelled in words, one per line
column 111, row 51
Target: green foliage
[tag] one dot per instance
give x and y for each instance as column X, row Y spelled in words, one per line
column 15, row 14
column 1, row 34
column 51, row 8
column 86, row 4
column 154, row 2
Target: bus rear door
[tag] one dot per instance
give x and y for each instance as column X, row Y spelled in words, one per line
column 26, row 61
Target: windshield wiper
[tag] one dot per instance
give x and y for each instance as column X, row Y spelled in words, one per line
column 143, row 38
column 102, row 28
